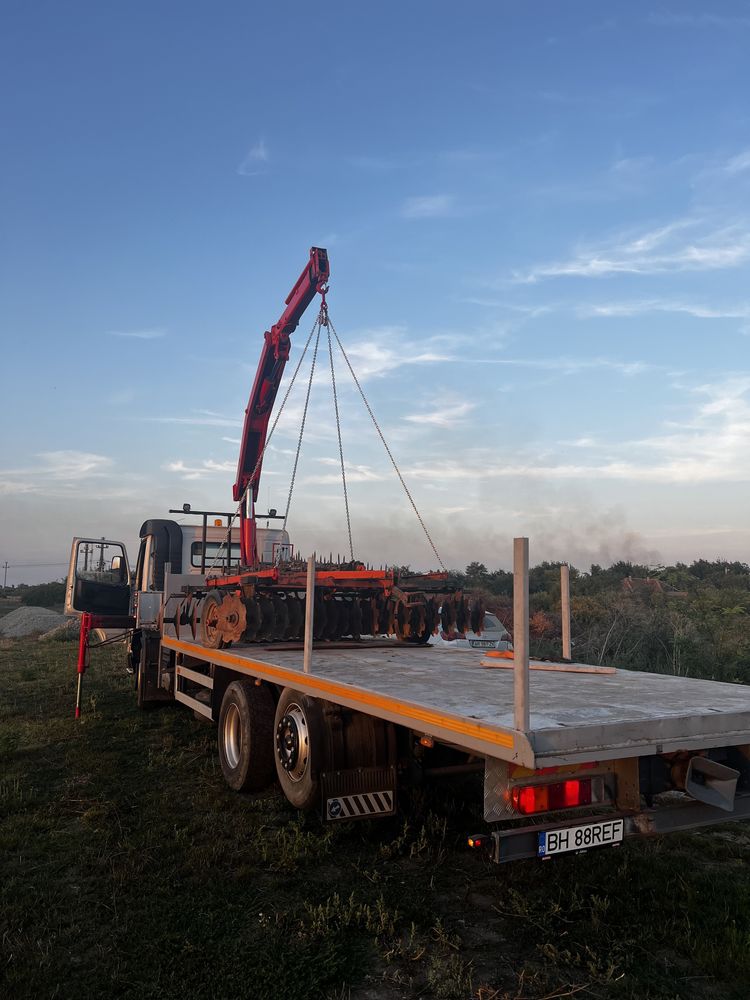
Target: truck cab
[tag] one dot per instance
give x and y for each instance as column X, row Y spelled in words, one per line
column 101, row 582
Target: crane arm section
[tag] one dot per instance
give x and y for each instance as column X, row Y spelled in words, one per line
column 273, row 359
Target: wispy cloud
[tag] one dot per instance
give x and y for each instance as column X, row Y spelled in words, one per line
column 487, row 302
column 450, row 413
column 665, row 249
column 206, row 467
column 67, row 469
column 571, row 366
column 148, row 333
column 199, row 418
column 255, row 160
column 710, row 445
column 739, row 163
column 639, row 306
column 430, row 206
column 354, row 473
column 382, row 349
column 382, row 164
column 673, row 19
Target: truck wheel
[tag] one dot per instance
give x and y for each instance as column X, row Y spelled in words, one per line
column 300, row 748
column 246, row 736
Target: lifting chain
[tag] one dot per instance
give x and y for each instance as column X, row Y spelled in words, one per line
column 323, row 319
column 385, row 445
column 227, row 536
column 338, row 431
column 304, row 420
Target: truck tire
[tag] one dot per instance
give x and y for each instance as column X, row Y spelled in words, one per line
column 246, row 736
column 301, row 754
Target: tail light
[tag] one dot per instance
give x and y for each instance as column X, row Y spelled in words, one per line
column 527, row 799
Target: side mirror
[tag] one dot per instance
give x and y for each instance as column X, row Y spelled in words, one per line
column 116, row 564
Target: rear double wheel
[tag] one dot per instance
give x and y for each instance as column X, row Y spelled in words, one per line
column 246, row 736
column 300, row 747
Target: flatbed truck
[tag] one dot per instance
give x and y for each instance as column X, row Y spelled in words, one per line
column 590, row 758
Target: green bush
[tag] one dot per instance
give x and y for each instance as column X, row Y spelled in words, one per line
column 45, row 595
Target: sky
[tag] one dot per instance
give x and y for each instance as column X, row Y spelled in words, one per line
column 538, row 221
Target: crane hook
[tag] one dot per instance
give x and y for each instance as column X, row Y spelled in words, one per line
column 323, row 316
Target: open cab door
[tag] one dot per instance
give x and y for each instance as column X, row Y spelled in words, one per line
column 98, row 578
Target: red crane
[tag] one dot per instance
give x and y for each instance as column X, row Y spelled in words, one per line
column 267, row 601
column 271, row 366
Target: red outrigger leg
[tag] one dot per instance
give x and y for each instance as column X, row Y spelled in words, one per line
column 83, row 643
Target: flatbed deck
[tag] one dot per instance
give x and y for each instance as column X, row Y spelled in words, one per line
column 452, row 697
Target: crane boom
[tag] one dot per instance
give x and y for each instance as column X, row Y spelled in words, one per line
column 273, row 359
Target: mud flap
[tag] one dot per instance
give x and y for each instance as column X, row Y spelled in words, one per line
column 359, row 793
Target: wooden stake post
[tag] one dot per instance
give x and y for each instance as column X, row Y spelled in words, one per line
column 309, row 614
column 565, row 610
column 521, row 633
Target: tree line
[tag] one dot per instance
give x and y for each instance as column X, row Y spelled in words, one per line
column 690, row 620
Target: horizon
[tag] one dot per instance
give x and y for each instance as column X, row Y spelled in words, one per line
column 540, row 249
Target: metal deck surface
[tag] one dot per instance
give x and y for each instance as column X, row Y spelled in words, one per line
column 573, row 716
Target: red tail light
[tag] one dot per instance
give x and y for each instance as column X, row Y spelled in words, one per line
column 528, row 799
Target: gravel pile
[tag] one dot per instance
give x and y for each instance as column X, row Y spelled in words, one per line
column 69, row 628
column 29, row 621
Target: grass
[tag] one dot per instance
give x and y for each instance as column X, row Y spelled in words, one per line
column 128, row 869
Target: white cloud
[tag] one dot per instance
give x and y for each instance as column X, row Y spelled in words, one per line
column 70, row 465
column 354, row 473
column 256, row 158
column 449, row 414
column 65, row 470
column 665, row 249
column 200, row 418
column 671, row 19
column 205, row 468
column 149, row 333
column 711, row 445
column 581, row 442
column 571, row 366
column 640, row 306
column 739, row 163
column 385, row 348
column 431, row 206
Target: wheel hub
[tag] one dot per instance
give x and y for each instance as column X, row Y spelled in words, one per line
column 233, row 736
column 293, row 743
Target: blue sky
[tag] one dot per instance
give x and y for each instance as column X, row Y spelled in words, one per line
column 539, row 228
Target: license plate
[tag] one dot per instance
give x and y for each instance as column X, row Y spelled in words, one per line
column 581, row 838
column 482, row 643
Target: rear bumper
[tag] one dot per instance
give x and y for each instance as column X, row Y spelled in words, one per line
column 522, row 842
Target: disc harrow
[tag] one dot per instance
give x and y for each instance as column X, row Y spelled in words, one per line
column 351, row 601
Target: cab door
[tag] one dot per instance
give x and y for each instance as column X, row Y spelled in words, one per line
column 98, row 578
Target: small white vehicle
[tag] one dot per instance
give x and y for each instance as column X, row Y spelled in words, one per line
column 494, row 636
